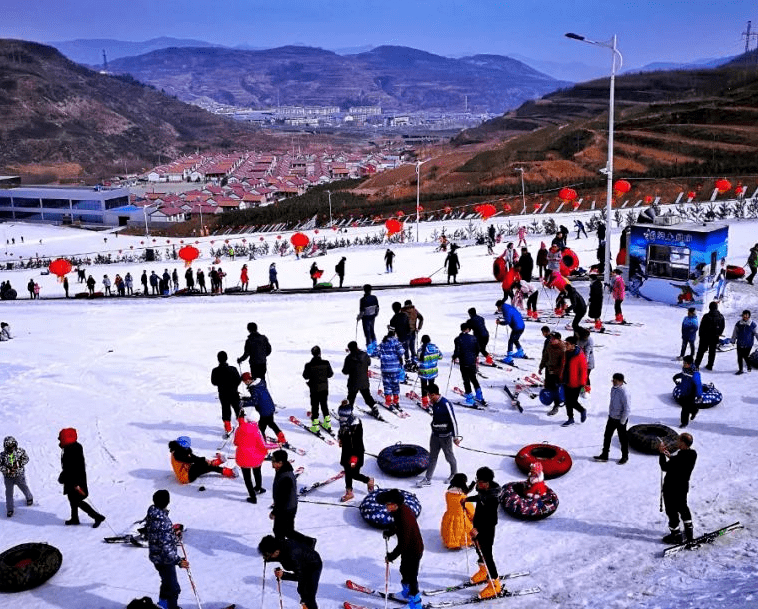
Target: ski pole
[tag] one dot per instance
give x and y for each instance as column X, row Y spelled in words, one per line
column 449, row 374
column 279, row 588
column 484, row 562
column 386, row 574
column 437, row 271
column 357, row 321
column 189, row 573
column 661, row 507
column 494, row 343
column 263, row 584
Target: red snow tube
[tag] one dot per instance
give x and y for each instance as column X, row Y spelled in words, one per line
column 421, row 281
column 555, row 460
column 558, row 282
column 621, row 257
column 734, row 272
column 569, row 262
column 498, row 269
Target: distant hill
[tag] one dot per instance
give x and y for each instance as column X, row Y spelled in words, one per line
column 89, row 51
column 55, row 111
column 399, row 79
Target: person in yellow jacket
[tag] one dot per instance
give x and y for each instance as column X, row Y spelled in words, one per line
column 457, row 520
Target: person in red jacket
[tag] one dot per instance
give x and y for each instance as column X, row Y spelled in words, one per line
column 576, row 379
column 251, row 451
column 244, row 279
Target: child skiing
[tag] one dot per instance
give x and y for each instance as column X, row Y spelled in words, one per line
column 391, row 360
column 260, row 399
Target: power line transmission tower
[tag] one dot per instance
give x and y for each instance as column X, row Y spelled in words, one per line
column 747, row 35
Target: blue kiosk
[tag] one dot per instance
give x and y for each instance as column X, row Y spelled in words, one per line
column 676, row 263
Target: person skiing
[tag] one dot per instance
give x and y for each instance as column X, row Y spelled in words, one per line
column 339, row 268
column 416, row 322
column 480, row 332
column 13, row 460
column 513, row 319
column 188, row 466
column 251, row 451
column 402, row 326
column 368, row 309
column 162, row 543
column 429, row 355
column 389, row 256
column 350, row 438
column 553, row 363
column 456, row 524
column 524, row 291
column 444, row 435
column 575, row 381
column 261, row 400
column 576, row 305
column 619, row 409
column 391, row 362
column 257, row 348
column 676, row 486
column 689, row 332
column 317, row 373
column 273, row 280
column 244, row 278
column 284, row 496
column 464, row 353
column 227, row 379
column 73, row 477
column 356, row 367
column 453, row 265
column 579, row 225
column 483, row 532
column 618, row 292
column 595, row 310
column 743, row 336
column 711, row 328
column 410, row 545
column 302, row 563
column 690, row 390
column 752, row 263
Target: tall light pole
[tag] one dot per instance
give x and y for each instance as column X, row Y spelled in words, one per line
column 329, row 192
column 523, row 196
column 144, row 211
column 609, row 44
column 418, row 192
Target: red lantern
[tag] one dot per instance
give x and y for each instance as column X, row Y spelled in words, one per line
column 648, row 199
column 181, row 240
column 419, row 208
column 153, row 240
column 315, row 230
column 567, row 194
column 142, row 243
column 507, row 208
column 226, row 241
column 393, row 227
column 622, row 187
column 723, row 186
column 278, row 237
column 299, row 240
column 60, row 267
column 400, row 213
column 537, row 206
column 487, row 210
column 212, row 242
column 691, row 194
column 188, row 253
column 354, row 225
column 448, row 209
column 168, row 241
column 334, row 228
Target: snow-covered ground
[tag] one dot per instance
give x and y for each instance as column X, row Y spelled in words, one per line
column 132, row 374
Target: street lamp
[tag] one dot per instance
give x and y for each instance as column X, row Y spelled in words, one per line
column 609, row 44
column 523, row 196
column 418, row 191
column 329, row 192
column 144, row 211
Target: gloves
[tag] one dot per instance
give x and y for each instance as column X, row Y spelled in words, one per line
column 358, row 317
column 354, row 462
column 239, row 360
column 387, row 558
column 241, row 414
column 386, row 533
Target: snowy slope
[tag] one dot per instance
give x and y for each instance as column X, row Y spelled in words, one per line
column 132, row 374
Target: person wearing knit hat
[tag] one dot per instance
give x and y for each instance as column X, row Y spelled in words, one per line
column 73, row 477
column 350, row 437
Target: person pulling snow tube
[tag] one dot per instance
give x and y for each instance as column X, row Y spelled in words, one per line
column 403, row 460
column 537, row 507
column 376, row 514
column 569, row 262
column 711, row 396
column 647, row 438
column 555, row 460
column 28, row 565
column 498, row 268
column 734, row 272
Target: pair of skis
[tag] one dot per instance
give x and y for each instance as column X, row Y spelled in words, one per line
column 304, row 490
column 477, row 405
column 416, row 399
column 394, row 409
column 287, row 446
column 703, row 539
column 318, row 434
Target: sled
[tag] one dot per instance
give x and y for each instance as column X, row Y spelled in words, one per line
column 323, row 285
column 421, row 281
column 264, row 288
column 233, row 290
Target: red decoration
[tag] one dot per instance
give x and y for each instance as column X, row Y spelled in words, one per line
column 188, row 253
column 299, row 240
column 537, row 206
column 487, row 210
column 691, row 194
column 315, row 230
column 399, row 213
column 393, row 227
column 419, row 208
column 507, row 208
column 622, row 186
column 648, row 199
column 738, row 191
column 567, row 194
column 142, row 243
column 334, row 228
column 60, row 267
column 723, row 186
column 448, row 209
column 168, row 241
column 278, row 237
column 226, row 241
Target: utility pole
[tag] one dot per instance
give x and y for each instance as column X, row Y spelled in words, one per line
column 747, row 35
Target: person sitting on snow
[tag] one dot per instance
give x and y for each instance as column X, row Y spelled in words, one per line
column 188, row 466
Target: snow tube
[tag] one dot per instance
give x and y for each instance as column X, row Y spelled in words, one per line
column 752, row 359
column 323, row 285
column 621, row 257
column 648, row 437
column 547, row 395
column 734, row 272
column 10, row 294
column 264, row 288
column 555, row 460
column 558, row 282
column 518, row 506
column 569, row 262
column 233, row 290
column 376, row 514
column 498, row 269
column 711, row 396
column 81, row 295
column 421, row 281
column 403, row 460
column 27, row 566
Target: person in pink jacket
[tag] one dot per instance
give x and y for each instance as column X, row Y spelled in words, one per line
column 618, row 291
column 251, row 451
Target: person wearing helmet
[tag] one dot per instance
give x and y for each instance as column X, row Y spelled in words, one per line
column 12, row 462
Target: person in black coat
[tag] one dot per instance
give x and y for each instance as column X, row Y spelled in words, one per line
column 302, row 563
column 73, row 477
column 576, row 305
column 453, row 266
column 483, row 533
column 711, row 328
column 318, row 372
column 356, row 368
column 596, row 300
column 284, row 495
column 350, row 438
column 340, row 269
column 479, row 330
column 525, row 265
column 402, row 326
column 257, row 348
column 676, row 486
column 227, row 379
column 368, row 309
column 465, row 352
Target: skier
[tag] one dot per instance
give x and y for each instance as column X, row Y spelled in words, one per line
column 284, row 496
column 273, row 277
column 317, row 373
column 576, row 379
column 453, row 265
column 483, row 533
column 389, row 256
column 511, row 318
column 260, row 399
column 339, row 268
column 391, row 361
column 553, row 363
column 416, row 322
column 355, row 368
column 429, row 354
column 743, row 336
column 368, row 309
column 162, row 543
column 576, row 305
column 711, row 328
column 188, row 466
column 257, row 348
column 302, row 562
column 456, row 525
column 350, row 437
column 410, row 545
column 444, row 435
column 542, row 261
column 689, row 332
column 524, row 290
column 579, row 225
column 465, row 352
column 596, row 300
column 691, row 390
column 251, row 451
column 752, row 263
column 73, row 477
column 618, row 415
column 402, row 326
column 13, row 459
column 676, row 486
column 618, row 291
column 479, row 330
column 244, row 278
column 227, row 379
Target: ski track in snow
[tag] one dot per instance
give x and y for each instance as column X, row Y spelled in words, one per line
column 133, row 374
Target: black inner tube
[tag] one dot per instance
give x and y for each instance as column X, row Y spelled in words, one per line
column 405, row 451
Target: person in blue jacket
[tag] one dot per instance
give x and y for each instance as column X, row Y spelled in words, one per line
column 689, row 332
column 428, row 356
column 691, row 388
column 162, row 542
column 511, row 318
column 261, row 400
column 273, row 280
column 465, row 352
column 743, row 337
column 391, row 362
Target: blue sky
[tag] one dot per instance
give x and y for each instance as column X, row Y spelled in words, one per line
column 678, row 31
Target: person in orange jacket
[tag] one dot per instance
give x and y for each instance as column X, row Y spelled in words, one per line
column 456, row 524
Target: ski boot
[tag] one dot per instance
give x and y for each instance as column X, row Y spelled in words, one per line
column 314, row 426
column 229, row 472
column 280, row 438
column 689, row 532
column 469, row 399
column 405, row 593
column 620, row 318
column 674, row 537
column 479, row 397
column 388, row 400
column 227, row 429
column 492, row 589
column 508, row 359
column 218, row 460
column 326, row 423
column 488, row 360
column 598, row 324
column 480, row 576
column 519, row 353
column 414, row 602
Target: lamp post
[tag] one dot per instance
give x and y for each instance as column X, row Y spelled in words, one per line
column 329, row 192
column 144, row 211
column 418, row 192
column 523, row 196
column 609, row 44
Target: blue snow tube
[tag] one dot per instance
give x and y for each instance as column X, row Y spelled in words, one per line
column 403, row 460
column 711, row 396
column 376, row 514
column 535, row 508
column 547, row 396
